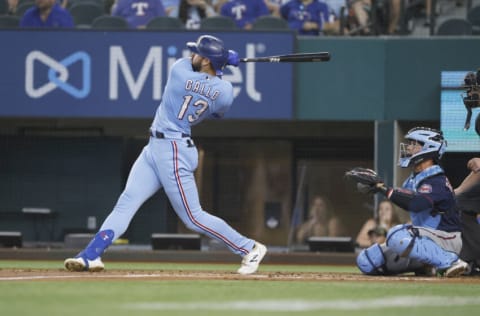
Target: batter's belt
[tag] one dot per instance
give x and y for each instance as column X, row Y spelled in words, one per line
column 158, row 134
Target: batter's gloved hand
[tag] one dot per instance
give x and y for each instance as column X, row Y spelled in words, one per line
column 367, row 180
column 233, row 59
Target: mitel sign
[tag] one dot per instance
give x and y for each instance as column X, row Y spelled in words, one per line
column 122, row 74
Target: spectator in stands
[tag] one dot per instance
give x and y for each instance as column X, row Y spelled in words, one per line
column 374, row 230
column 47, row 13
column 191, row 12
column 361, row 11
column 320, row 221
column 428, row 12
column 12, row 7
column 108, row 5
column 172, row 7
column 274, row 6
column 335, row 10
column 138, row 13
column 307, row 17
column 394, row 16
column 244, row 12
column 217, row 5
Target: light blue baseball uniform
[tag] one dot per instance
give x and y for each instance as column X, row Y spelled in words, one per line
column 169, row 162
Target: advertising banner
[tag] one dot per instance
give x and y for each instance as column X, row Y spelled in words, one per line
column 90, row 73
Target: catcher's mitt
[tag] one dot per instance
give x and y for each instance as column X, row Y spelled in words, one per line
column 367, row 180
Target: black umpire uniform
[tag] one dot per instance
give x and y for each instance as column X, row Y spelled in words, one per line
column 469, row 204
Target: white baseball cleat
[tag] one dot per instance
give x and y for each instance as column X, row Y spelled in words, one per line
column 80, row 264
column 251, row 261
column 456, row 269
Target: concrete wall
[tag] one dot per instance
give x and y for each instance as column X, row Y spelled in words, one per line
column 379, row 78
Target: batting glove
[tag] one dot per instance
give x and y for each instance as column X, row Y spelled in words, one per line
column 233, row 59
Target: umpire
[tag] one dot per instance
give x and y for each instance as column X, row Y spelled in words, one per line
column 468, row 201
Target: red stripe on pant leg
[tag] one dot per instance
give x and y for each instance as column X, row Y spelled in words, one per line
column 187, row 207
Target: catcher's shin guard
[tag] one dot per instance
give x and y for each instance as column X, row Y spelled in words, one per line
column 405, row 242
column 371, row 261
column 97, row 246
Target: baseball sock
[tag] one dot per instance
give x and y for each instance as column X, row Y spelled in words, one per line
column 97, row 246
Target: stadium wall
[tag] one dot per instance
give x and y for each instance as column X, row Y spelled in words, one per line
column 367, row 80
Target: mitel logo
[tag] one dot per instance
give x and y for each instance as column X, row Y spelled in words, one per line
column 57, row 75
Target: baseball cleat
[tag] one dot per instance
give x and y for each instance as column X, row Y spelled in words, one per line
column 251, row 261
column 456, row 269
column 80, row 264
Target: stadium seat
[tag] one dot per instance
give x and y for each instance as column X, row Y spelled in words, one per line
column 70, row 3
column 9, row 21
column 473, row 16
column 23, row 7
column 85, row 13
column 109, row 22
column 270, row 22
column 217, row 23
column 3, row 7
column 455, row 27
column 165, row 23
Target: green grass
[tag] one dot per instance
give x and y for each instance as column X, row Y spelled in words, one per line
column 148, row 297
column 16, row 264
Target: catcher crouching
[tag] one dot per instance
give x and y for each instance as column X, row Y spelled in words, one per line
column 434, row 237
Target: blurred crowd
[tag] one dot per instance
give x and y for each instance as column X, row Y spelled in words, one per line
column 305, row 17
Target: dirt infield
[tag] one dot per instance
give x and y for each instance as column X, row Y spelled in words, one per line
column 124, row 275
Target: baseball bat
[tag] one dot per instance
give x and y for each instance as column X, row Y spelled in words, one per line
column 295, row 58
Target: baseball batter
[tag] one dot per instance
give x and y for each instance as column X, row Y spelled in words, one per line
column 194, row 91
column 434, row 237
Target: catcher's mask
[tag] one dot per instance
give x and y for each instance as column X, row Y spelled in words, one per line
column 432, row 142
column 471, row 98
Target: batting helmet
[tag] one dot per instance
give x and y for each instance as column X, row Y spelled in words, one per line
column 212, row 48
column 433, row 146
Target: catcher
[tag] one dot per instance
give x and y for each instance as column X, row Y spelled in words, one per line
column 434, row 238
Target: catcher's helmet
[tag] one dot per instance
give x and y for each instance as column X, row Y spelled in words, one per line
column 433, row 146
column 212, row 48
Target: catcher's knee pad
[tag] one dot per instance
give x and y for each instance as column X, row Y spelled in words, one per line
column 400, row 239
column 371, row 260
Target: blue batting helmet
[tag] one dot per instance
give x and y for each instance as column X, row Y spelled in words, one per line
column 212, row 48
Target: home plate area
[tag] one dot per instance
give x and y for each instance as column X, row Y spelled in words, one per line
column 43, row 274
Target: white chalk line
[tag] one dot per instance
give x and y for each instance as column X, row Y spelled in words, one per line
column 37, row 277
column 79, row 276
column 304, row 305
column 116, row 276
